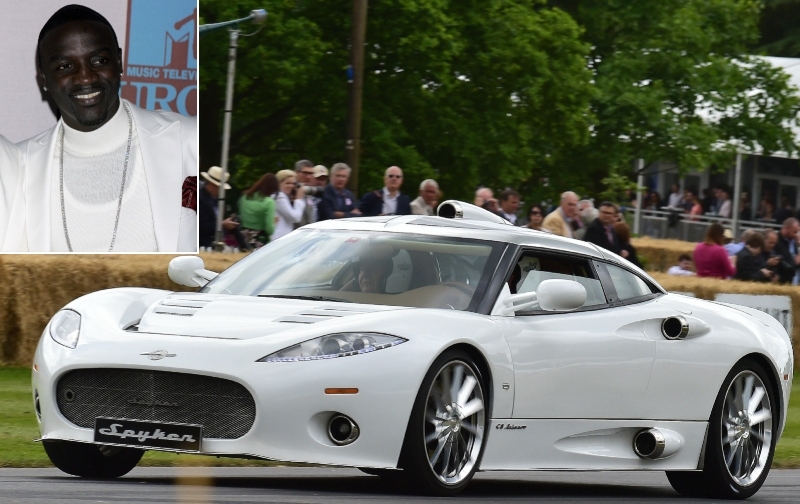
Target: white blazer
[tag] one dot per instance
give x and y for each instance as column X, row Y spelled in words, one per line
column 9, row 178
column 168, row 143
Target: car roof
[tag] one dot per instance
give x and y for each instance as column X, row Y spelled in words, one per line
column 462, row 228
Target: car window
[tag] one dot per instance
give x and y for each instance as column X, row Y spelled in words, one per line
column 627, row 285
column 370, row 267
column 534, row 268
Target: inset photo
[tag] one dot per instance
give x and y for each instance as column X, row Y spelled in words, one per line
column 98, row 126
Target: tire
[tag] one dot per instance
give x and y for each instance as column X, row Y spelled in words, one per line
column 741, row 438
column 90, row 460
column 445, row 436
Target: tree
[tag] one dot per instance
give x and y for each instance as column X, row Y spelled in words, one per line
column 780, row 28
column 676, row 83
column 465, row 91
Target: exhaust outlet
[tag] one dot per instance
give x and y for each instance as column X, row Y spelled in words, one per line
column 655, row 444
column 342, row 430
column 675, row 327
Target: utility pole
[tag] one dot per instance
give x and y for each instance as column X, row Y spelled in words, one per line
column 357, row 39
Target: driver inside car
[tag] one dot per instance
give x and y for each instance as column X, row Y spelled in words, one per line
column 371, row 271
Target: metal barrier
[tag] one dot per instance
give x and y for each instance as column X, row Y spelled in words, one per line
column 678, row 225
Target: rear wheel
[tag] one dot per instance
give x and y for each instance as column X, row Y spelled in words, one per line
column 444, row 439
column 741, row 440
column 90, row 460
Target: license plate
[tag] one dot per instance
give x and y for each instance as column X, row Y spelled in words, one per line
column 170, row 436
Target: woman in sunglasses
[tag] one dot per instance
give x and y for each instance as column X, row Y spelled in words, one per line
column 535, row 218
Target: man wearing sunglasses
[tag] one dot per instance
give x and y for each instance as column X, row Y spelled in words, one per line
column 389, row 200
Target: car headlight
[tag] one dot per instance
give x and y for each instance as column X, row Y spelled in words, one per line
column 333, row 346
column 65, row 327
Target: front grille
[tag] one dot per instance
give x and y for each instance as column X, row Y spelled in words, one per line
column 224, row 408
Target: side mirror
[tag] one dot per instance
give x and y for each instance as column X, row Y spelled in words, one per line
column 552, row 295
column 189, row 271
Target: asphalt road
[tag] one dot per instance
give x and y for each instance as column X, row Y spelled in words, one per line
column 349, row 486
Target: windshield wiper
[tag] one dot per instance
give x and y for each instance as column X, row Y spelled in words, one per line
column 306, row 298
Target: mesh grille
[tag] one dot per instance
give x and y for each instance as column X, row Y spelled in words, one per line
column 224, row 408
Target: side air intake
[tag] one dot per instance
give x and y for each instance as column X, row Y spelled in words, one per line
column 452, row 209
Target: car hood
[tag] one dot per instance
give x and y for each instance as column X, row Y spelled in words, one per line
column 242, row 317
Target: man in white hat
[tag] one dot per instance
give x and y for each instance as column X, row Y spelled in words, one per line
column 208, row 208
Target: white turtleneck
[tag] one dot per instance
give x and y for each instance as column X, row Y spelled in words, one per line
column 93, row 166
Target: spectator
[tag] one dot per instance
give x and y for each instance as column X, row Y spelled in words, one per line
column 257, row 210
column 710, row 259
column 587, row 213
column 745, row 212
column 788, row 252
column 509, row 205
column 765, row 211
column 675, row 196
column 601, row 230
column 320, row 176
column 624, row 235
column 482, row 195
column 305, row 177
column 289, row 213
column 389, row 200
column 425, row 203
column 564, row 220
column 750, row 264
column 683, row 268
column 337, row 201
column 695, row 207
column 785, row 211
column 709, row 202
column 724, row 209
column 734, row 248
column 535, row 218
column 771, row 257
column 208, row 208
column 492, row 206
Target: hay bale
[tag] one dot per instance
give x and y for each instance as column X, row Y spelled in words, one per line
column 36, row 286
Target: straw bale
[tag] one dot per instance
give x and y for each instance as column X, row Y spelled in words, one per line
column 661, row 254
column 34, row 287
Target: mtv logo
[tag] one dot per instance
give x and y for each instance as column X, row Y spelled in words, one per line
column 163, row 34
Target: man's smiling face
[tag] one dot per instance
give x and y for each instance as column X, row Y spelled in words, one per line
column 80, row 64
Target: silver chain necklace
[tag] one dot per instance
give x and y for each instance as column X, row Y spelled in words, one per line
column 121, row 189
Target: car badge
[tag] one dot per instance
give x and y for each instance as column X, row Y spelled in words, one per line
column 158, row 354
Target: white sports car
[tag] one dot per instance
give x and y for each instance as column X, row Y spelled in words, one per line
column 421, row 348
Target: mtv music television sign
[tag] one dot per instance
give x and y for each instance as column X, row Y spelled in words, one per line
column 161, row 55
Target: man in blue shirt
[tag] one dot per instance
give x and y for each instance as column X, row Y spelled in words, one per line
column 337, row 201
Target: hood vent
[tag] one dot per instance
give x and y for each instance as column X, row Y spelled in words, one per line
column 320, row 315
column 180, row 306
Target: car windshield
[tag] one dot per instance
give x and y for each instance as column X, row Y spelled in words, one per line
column 366, row 267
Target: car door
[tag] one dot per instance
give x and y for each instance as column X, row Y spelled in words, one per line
column 593, row 362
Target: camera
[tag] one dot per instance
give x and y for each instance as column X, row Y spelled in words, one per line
column 315, row 191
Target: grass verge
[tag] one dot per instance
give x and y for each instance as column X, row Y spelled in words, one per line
column 18, row 428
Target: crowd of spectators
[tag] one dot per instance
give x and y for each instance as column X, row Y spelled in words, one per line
column 278, row 203
column 716, row 202
column 759, row 255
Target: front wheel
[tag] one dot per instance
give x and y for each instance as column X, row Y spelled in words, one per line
column 90, row 460
column 444, row 439
column 741, row 440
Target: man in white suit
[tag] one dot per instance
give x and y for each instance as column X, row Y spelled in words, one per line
column 9, row 177
column 109, row 177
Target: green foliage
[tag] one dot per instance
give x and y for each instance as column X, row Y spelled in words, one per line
column 780, row 28
column 617, row 188
column 539, row 95
column 676, row 83
column 465, row 91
